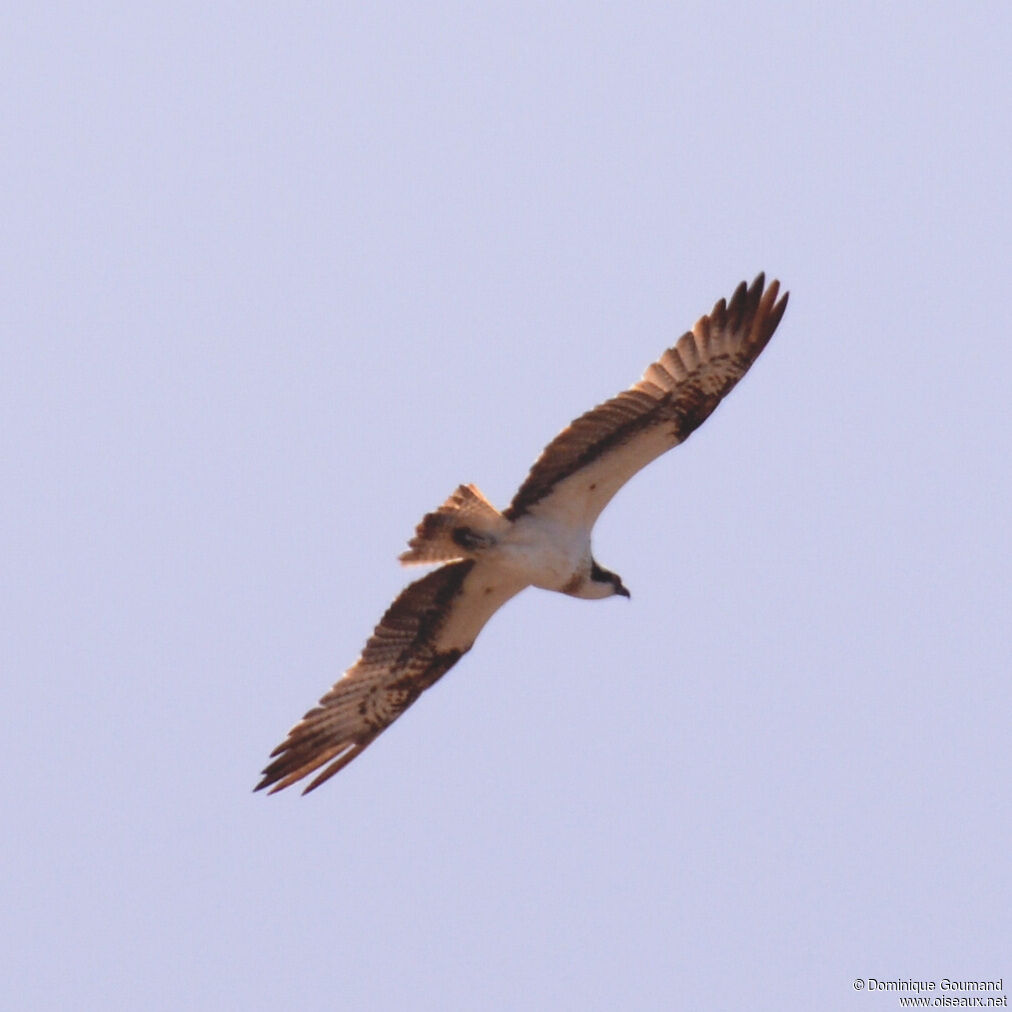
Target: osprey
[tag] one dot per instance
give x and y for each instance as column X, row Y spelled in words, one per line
column 541, row 539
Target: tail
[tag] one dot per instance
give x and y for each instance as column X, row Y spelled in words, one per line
column 464, row 525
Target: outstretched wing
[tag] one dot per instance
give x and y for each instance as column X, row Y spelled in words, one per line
column 590, row 460
column 430, row 626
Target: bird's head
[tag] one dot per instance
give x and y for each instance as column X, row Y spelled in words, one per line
column 604, row 583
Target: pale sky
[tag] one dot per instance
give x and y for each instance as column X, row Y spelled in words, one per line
column 276, row 279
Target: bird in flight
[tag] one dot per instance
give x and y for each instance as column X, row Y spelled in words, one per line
column 542, row 539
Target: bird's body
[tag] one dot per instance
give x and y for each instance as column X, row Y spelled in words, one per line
column 542, row 539
column 548, row 553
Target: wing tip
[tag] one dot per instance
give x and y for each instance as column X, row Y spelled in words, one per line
column 754, row 309
column 768, row 311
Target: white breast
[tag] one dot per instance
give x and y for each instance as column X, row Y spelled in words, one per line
column 544, row 552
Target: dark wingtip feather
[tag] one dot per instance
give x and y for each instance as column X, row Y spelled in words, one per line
column 777, row 312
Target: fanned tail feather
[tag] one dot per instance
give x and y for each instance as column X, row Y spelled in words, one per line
column 462, row 527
